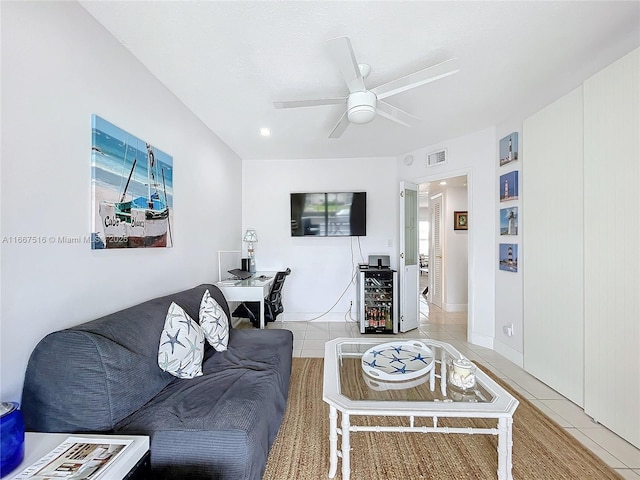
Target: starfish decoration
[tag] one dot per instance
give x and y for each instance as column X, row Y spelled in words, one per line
column 401, row 369
column 180, row 371
column 193, row 349
column 376, row 353
column 173, row 340
column 171, row 315
column 372, row 364
column 398, row 359
column 420, row 358
column 165, row 364
column 218, row 342
column 187, row 322
column 399, row 349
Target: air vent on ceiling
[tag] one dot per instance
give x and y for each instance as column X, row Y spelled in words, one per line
column 437, row 158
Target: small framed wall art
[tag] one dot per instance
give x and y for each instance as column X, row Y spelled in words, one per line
column 509, row 221
column 509, row 149
column 509, row 186
column 460, row 220
column 509, row 257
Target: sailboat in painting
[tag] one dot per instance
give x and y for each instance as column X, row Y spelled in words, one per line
column 134, row 209
column 140, row 222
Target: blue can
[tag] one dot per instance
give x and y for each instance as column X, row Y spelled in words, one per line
column 11, row 436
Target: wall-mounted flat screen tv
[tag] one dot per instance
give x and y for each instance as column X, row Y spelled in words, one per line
column 334, row 214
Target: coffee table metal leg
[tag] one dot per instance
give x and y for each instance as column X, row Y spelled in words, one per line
column 505, row 447
column 333, row 441
column 346, row 463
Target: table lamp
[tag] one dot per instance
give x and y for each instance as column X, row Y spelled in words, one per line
column 250, row 237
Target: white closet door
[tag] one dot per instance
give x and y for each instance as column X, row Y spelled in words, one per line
column 553, row 302
column 612, row 246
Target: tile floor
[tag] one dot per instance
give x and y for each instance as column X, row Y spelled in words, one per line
column 310, row 337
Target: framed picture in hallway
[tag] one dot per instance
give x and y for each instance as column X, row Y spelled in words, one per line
column 460, row 220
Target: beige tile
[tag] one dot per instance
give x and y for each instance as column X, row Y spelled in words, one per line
column 537, row 388
column 617, row 446
column 627, row 474
column 551, row 414
column 295, row 326
column 310, row 353
column 605, row 456
column 507, row 368
column 314, row 344
column 522, row 391
column 570, row 412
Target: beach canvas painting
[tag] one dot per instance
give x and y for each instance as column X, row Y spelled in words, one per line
column 509, row 257
column 508, row 186
column 509, row 221
column 132, row 190
column 509, row 149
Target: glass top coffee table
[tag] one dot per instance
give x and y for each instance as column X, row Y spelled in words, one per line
column 382, row 377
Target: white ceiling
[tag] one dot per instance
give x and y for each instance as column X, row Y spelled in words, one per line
column 229, row 61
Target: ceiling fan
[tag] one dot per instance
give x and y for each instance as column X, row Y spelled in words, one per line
column 363, row 104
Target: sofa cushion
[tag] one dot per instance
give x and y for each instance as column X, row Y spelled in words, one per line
column 214, row 322
column 181, row 349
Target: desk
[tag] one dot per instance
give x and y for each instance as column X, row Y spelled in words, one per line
column 250, row 290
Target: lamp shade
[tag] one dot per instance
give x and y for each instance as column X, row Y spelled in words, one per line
column 250, row 236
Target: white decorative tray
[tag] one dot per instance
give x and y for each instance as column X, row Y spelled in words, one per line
column 398, row 360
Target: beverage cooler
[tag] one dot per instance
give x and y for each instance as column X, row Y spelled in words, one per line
column 376, row 302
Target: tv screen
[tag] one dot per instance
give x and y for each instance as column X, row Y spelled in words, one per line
column 337, row 214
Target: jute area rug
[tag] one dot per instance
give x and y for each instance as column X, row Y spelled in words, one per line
column 541, row 448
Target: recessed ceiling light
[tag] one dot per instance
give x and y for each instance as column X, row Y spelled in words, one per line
column 443, row 183
column 265, row 132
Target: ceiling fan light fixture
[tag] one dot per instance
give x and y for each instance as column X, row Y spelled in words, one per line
column 361, row 107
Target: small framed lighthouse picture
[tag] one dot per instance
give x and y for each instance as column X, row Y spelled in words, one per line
column 509, row 149
column 509, row 257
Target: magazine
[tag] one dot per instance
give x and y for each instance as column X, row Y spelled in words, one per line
column 77, row 458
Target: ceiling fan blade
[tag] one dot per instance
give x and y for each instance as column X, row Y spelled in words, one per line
column 340, row 127
column 310, row 103
column 413, row 80
column 395, row 114
column 342, row 53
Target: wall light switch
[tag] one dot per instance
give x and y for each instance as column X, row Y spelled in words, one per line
column 389, row 243
column 508, row 330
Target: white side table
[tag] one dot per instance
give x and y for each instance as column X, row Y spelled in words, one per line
column 130, row 465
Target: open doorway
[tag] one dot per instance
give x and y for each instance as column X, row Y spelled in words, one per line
column 443, row 250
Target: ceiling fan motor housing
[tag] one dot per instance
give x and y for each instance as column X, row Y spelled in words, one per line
column 361, row 107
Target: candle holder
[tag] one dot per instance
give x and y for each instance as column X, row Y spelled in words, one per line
column 461, row 374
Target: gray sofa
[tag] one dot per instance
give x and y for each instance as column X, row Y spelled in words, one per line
column 103, row 376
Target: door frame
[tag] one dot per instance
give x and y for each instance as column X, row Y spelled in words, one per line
column 470, row 290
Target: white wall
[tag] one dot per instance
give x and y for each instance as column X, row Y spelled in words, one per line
column 58, row 67
column 322, row 268
column 475, row 155
column 456, row 253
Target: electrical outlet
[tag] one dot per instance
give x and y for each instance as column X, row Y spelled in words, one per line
column 508, row 330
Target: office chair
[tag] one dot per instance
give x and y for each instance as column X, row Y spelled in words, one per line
column 272, row 304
